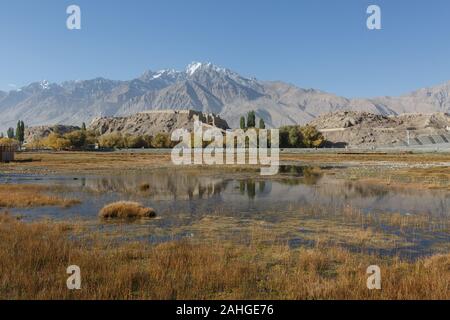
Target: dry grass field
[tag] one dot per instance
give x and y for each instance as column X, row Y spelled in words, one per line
column 22, row 196
column 34, row 255
column 87, row 161
column 34, row 258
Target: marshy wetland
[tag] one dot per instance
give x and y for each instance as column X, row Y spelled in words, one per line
column 331, row 212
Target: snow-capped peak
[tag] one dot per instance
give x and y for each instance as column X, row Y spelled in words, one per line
column 160, row 73
column 45, row 85
column 196, row 66
column 193, row 67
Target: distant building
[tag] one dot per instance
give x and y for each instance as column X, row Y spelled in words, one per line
column 7, row 152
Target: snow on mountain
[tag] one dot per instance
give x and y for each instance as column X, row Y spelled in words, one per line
column 203, row 87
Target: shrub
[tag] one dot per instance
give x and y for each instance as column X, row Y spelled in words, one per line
column 144, row 187
column 126, row 210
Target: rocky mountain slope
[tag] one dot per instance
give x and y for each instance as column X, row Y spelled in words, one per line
column 363, row 129
column 40, row 132
column 153, row 122
column 203, row 87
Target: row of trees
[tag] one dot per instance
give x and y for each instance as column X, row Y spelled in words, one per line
column 117, row 140
column 251, row 121
column 85, row 139
column 18, row 135
column 290, row 137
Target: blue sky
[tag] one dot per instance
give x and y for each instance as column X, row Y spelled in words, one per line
column 321, row 44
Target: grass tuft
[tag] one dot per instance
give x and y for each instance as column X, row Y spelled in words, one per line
column 126, row 210
column 144, row 187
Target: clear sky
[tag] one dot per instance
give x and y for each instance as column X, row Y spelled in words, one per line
column 321, row 44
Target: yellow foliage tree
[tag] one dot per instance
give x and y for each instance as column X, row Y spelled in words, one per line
column 56, row 142
column 311, row 137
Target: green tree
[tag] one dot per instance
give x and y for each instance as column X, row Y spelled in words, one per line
column 295, row 137
column 242, row 122
column 262, row 124
column 10, row 133
column 22, row 128
column 83, row 126
column 20, row 131
column 290, row 137
column 251, row 119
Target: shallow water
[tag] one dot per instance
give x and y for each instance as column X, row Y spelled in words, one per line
column 183, row 198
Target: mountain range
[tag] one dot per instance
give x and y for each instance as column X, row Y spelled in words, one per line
column 203, row 87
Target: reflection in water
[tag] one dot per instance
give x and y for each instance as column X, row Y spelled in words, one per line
column 178, row 190
column 310, row 175
column 182, row 198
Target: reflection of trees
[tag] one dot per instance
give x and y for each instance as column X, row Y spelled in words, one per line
column 308, row 175
column 161, row 185
column 242, row 187
column 366, row 190
column 262, row 186
column 249, row 187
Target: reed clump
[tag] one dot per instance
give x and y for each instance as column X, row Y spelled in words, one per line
column 126, row 210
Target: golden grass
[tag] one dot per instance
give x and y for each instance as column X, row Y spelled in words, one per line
column 103, row 161
column 24, row 195
column 126, row 210
column 34, row 258
column 83, row 161
column 417, row 158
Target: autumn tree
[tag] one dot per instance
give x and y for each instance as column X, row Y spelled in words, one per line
column 312, row 138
